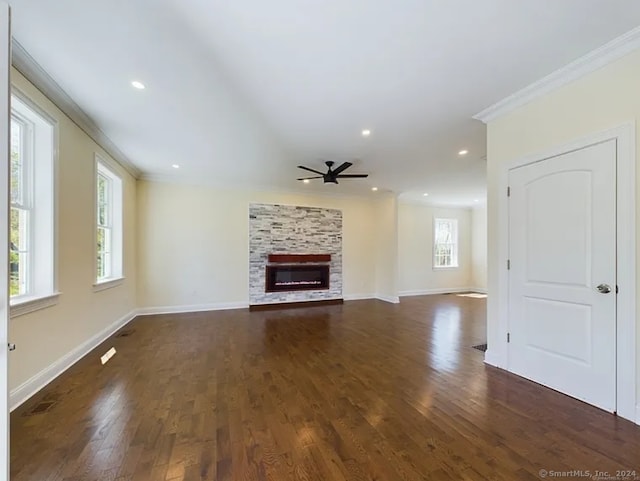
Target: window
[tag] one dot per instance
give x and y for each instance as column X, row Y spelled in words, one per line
column 445, row 243
column 108, row 225
column 31, row 230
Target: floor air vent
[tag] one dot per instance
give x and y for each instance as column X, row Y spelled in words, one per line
column 125, row 333
column 480, row 347
column 40, row 408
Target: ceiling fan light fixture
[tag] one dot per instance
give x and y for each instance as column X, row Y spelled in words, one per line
column 306, row 181
column 332, row 175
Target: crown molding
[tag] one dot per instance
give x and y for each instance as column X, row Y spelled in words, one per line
column 594, row 60
column 27, row 66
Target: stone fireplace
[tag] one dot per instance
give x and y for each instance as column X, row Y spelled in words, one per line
column 295, row 254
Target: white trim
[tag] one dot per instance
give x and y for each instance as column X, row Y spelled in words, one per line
column 479, row 290
column 55, row 181
column 5, row 73
column 638, row 414
column 25, row 306
column 626, row 258
column 107, row 284
column 30, row 387
column 390, row 299
column 116, row 216
column 594, row 60
column 443, row 290
column 27, row 66
column 492, row 360
column 217, row 306
column 358, row 297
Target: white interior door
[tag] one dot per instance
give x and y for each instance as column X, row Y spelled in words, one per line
column 562, row 246
column 5, row 59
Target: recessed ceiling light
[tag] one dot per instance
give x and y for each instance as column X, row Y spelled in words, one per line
column 476, row 200
column 175, row 166
column 366, row 133
column 137, row 84
column 306, row 181
column 463, row 152
column 374, row 188
column 425, row 194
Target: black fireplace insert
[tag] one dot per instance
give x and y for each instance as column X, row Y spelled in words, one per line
column 297, row 278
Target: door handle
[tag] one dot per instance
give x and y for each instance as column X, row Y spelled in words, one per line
column 604, row 288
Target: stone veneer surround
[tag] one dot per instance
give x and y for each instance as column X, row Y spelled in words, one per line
column 286, row 229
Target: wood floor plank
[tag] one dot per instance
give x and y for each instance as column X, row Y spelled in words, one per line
column 364, row 391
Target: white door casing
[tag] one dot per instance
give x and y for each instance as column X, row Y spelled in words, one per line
column 562, row 245
column 5, row 63
column 498, row 329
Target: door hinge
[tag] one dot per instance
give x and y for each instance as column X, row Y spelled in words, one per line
column 508, row 337
column 617, row 290
column 508, row 191
column 508, row 264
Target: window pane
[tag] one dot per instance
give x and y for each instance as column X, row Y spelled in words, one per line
column 102, row 189
column 103, row 237
column 16, row 163
column 445, row 243
column 102, row 214
column 18, row 252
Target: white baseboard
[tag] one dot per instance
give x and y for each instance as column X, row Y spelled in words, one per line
column 391, row 299
column 638, row 414
column 217, row 306
column 358, row 297
column 30, row 387
column 479, row 290
column 445, row 290
column 493, row 359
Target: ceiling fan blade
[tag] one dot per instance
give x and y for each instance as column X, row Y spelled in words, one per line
column 307, row 178
column 353, row 176
column 344, row 166
column 310, row 170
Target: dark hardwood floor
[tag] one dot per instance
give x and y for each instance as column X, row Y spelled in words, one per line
column 363, row 391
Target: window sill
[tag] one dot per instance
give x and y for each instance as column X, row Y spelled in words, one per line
column 448, row 268
column 107, row 284
column 27, row 305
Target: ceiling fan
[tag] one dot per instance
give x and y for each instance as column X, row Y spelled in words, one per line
column 332, row 176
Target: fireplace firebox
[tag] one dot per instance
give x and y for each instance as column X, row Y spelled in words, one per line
column 306, row 277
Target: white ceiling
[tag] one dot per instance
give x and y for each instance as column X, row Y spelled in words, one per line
column 240, row 92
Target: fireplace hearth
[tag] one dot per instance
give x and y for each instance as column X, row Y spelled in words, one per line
column 306, row 277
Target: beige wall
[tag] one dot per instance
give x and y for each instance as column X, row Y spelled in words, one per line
column 194, row 246
column 385, row 234
column 603, row 99
column 479, row 248
column 415, row 250
column 45, row 336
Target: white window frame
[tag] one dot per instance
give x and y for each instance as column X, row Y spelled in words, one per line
column 114, row 225
column 455, row 244
column 40, row 141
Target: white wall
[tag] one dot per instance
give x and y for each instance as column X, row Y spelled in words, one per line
column 45, row 337
column 479, row 248
column 415, row 251
column 603, row 99
column 194, row 248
